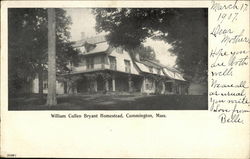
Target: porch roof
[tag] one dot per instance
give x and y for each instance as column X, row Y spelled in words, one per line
column 169, row 71
column 173, row 75
column 142, row 67
column 101, row 69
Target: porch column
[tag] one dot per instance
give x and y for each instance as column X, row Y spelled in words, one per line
column 69, row 89
column 175, row 88
column 154, row 86
column 95, row 85
column 113, row 83
column 130, row 89
column 163, row 88
column 181, row 89
column 106, row 84
column 143, row 85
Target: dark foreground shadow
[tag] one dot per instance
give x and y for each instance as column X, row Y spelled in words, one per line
column 112, row 102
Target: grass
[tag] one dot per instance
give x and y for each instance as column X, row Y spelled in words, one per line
column 112, row 102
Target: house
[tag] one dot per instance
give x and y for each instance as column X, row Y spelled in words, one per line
column 35, row 86
column 167, row 80
column 103, row 68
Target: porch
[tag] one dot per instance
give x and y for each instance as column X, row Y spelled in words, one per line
column 107, row 81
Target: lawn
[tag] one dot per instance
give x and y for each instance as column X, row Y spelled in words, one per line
column 112, row 102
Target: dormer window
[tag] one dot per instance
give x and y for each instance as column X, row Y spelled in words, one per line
column 89, row 47
column 150, row 69
column 112, row 61
column 127, row 66
column 158, row 71
column 82, row 49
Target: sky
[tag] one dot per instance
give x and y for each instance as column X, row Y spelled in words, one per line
column 84, row 21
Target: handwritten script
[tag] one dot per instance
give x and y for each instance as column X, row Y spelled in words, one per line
column 229, row 61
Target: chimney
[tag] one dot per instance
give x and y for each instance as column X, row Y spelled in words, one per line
column 82, row 35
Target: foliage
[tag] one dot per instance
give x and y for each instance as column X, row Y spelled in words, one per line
column 185, row 29
column 145, row 53
column 70, row 81
column 28, row 43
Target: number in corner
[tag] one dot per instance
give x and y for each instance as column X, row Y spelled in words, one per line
column 11, row 155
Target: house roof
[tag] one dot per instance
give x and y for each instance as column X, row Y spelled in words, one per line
column 147, row 63
column 167, row 71
column 173, row 75
column 180, row 77
column 100, row 47
column 99, row 42
column 163, row 66
column 96, row 39
column 90, row 40
column 142, row 67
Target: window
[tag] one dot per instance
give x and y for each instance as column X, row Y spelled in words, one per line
column 127, row 66
column 112, row 61
column 158, row 71
column 150, row 69
column 90, row 62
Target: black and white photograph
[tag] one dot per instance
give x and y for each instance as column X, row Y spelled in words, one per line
column 107, row 59
column 125, row 79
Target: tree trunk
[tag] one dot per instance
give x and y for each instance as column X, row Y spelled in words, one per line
column 40, row 81
column 51, row 98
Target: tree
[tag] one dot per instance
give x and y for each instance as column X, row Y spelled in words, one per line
column 27, row 44
column 51, row 98
column 185, row 29
column 145, row 53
